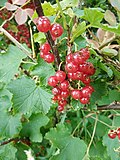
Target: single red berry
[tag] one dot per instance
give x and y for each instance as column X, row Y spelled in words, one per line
column 45, row 48
column 84, row 100
column 91, row 88
column 85, row 53
column 52, row 81
column 56, row 30
column 59, row 97
column 77, row 58
column 43, row 24
column 78, row 75
column 42, row 55
column 86, row 92
column 64, row 85
column 112, row 134
column 72, row 76
column 69, row 58
column 76, row 94
column 85, row 79
column 65, row 94
column 71, row 67
column 49, row 57
column 62, row 102
column 56, row 91
column 61, row 75
column 88, row 68
column 60, row 108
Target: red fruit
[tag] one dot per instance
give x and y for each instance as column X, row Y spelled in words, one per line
column 45, row 48
column 118, row 133
column 64, row 85
column 42, row 55
column 52, row 81
column 85, row 53
column 56, row 30
column 49, row 58
column 56, row 91
column 60, row 108
column 88, row 68
column 112, row 134
column 59, row 97
column 85, row 79
column 86, row 92
column 84, row 100
column 78, row 75
column 71, row 67
column 62, row 102
column 60, row 76
column 65, row 94
column 91, row 88
column 43, row 24
column 71, row 76
column 76, row 94
column 69, row 58
column 77, row 58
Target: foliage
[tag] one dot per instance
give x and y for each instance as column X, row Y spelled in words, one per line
column 31, row 125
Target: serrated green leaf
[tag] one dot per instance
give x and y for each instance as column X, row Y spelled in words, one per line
column 43, row 70
column 70, row 147
column 9, row 63
column 93, row 15
column 78, row 30
column 105, row 68
column 10, row 124
column 39, row 37
column 31, row 129
column 28, row 98
column 112, row 145
column 48, row 9
column 7, row 152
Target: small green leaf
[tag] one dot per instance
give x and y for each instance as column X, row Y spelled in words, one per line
column 39, row 37
column 28, row 98
column 80, row 42
column 10, row 62
column 105, row 68
column 116, row 121
column 48, row 9
column 109, row 52
column 7, row 152
column 31, row 129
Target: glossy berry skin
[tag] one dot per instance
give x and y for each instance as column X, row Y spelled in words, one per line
column 43, row 24
column 64, row 85
column 52, row 81
column 56, row 91
column 76, row 94
column 49, row 58
column 56, row 30
column 69, row 58
column 85, row 79
column 85, row 91
column 61, row 75
column 84, row 100
column 72, row 76
column 85, row 54
column 77, row 58
column 60, row 108
column 71, row 67
column 62, row 102
column 112, row 134
column 65, row 94
column 45, row 48
column 42, row 55
column 118, row 133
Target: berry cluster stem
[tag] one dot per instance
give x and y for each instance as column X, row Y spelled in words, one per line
column 40, row 12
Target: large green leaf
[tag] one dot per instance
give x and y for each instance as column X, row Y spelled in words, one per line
column 9, row 63
column 2, row 2
column 112, row 145
column 70, row 147
column 10, row 124
column 43, row 70
column 7, row 152
column 28, row 98
column 31, row 129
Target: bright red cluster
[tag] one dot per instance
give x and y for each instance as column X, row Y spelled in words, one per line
column 113, row 133
column 76, row 69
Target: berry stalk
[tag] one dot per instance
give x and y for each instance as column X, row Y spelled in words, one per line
column 40, row 13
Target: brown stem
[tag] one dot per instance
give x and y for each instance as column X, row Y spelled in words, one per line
column 39, row 11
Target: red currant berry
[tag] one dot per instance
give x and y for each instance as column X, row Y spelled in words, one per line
column 56, row 30
column 42, row 55
column 84, row 100
column 49, row 58
column 43, row 24
column 86, row 92
column 60, row 108
column 71, row 76
column 85, row 79
column 52, row 81
column 65, row 94
column 60, row 76
column 64, row 85
column 85, row 53
column 78, row 75
column 62, row 102
column 45, row 48
column 76, row 94
column 71, row 67
column 69, row 58
column 118, row 133
column 78, row 58
column 56, row 91
column 59, row 97
column 112, row 134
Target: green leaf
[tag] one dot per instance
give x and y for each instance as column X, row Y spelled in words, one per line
column 76, row 104
column 70, row 147
column 112, row 96
column 105, row 68
column 10, row 124
column 31, row 129
column 80, row 42
column 2, row 2
column 7, row 152
column 116, row 121
column 112, row 145
column 109, row 52
column 43, row 70
column 39, row 37
column 28, row 98
column 93, row 15
column 116, row 72
column 78, row 30
column 115, row 4
column 10, row 62
column 48, row 9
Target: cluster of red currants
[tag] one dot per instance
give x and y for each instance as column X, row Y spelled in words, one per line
column 56, row 30
column 76, row 69
column 113, row 133
column 5, row 14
